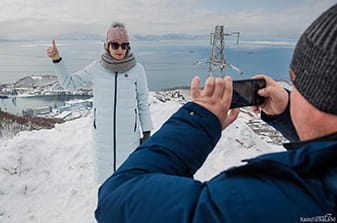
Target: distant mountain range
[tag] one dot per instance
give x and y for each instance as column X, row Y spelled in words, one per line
column 93, row 36
column 40, row 85
column 170, row 36
column 10, row 40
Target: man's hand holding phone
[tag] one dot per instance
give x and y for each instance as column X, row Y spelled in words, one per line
column 276, row 98
column 216, row 97
column 220, row 96
column 245, row 92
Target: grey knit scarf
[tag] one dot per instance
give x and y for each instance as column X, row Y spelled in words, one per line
column 123, row 65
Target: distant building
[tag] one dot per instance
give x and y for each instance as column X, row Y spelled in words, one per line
column 27, row 112
column 69, row 110
column 63, row 108
column 64, row 115
column 78, row 104
column 42, row 110
column 37, row 111
column 3, row 96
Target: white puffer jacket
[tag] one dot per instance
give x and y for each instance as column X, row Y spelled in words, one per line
column 120, row 106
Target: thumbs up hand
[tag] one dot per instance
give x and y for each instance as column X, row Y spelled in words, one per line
column 52, row 51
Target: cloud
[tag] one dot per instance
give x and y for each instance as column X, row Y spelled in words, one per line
column 25, row 19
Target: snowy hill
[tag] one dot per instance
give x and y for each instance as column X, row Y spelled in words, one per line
column 11, row 124
column 40, row 85
column 38, row 82
column 47, row 175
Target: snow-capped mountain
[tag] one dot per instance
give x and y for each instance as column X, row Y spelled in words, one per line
column 40, row 85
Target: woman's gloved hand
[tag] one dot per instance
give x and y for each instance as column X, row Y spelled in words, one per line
column 146, row 135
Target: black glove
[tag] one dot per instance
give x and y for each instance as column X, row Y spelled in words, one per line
column 146, row 135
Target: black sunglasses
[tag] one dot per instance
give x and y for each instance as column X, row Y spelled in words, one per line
column 116, row 46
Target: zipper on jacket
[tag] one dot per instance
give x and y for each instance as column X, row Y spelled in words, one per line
column 94, row 118
column 134, row 130
column 114, row 124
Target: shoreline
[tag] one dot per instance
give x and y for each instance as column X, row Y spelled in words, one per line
column 181, row 95
column 42, row 95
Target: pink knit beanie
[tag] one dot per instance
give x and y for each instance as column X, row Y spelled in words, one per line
column 117, row 33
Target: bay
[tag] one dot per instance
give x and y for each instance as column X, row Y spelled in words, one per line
column 168, row 63
column 16, row 105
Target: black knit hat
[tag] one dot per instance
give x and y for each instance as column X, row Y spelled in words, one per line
column 315, row 62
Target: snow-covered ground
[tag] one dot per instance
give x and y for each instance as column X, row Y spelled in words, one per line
column 47, row 175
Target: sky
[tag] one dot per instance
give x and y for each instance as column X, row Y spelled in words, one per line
column 262, row 19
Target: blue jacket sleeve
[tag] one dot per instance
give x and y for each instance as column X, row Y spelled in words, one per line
column 282, row 123
column 159, row 172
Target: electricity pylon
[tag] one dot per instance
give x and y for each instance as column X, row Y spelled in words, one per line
column 217, row 60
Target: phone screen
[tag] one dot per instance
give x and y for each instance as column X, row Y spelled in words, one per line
column 245, row 92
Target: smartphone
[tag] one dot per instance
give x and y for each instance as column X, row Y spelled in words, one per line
column 245, row 92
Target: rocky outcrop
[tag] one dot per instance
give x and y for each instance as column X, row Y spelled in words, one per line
column 11, row 124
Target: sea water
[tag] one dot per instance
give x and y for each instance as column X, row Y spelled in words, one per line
column 168, row 63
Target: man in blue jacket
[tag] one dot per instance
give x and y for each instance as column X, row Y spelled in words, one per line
column 155, row 183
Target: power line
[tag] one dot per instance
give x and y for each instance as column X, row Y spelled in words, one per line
column 217, row 61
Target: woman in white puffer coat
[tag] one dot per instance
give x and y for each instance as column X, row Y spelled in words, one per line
column 120, row 100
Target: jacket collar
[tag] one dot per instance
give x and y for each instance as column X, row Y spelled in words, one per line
column 317, row 156
column 299, row 144
column 330, row 180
